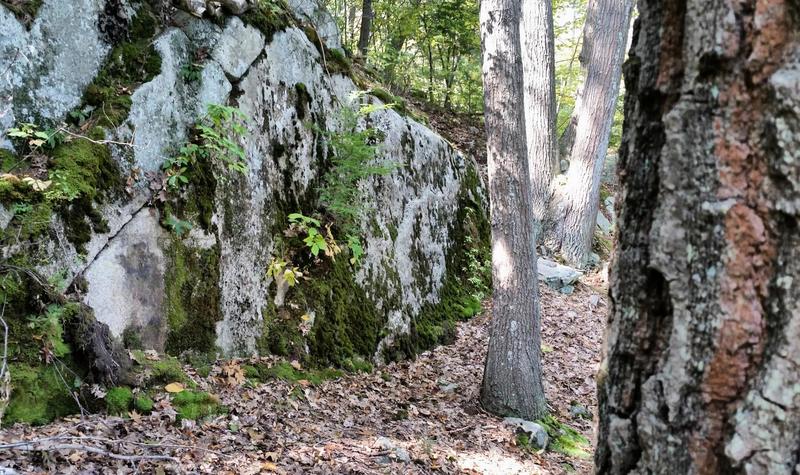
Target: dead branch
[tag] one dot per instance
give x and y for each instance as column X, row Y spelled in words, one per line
column 46, row 445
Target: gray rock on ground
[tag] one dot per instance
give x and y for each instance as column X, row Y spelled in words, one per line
column 556, row 275
column 604, row 224
column 536, row 433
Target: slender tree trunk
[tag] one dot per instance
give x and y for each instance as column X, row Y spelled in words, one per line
column 366, row 27
column 538, row 62
column 512, row 379
column 703, row 351
column 575, row 204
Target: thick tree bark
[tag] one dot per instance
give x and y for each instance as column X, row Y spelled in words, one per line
column 366, row 27
column 575, row 204
column 702, row 353
column 538, row 63
column 512, row 379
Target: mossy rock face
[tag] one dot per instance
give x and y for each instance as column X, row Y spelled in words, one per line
column 192, row 298
column 347, row 324
column 131, row 62
column 436, row 322
column 24, row 10
column 269, row 17
column 39, row 395
column 86, row 171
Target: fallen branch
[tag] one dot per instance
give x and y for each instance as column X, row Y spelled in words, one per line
column 45, row 445
column 99, row 142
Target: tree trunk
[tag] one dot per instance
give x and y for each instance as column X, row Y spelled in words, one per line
column 538, row 62
column 702, row 355
column 366, row 27
column 512, row 379
column 575, row 205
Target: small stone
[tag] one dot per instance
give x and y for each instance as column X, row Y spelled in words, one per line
column 450, row 388
column 402, row 455
column 567, row 290
column 536, row 433
column 603, row 223
column 577, row 411
column 564, row 166
column 5, row 217
column 556, row 275
column 236, row 7
column 195, row 7
column 384, row 443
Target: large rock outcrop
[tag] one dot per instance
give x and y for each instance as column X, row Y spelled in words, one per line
column 136, row 86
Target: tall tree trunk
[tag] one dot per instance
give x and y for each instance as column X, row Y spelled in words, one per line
column 366, row 27
column 702, row 355
column 575, row 204
column 512, row 379
column 538, row 63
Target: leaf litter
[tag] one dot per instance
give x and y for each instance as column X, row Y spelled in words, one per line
column 417, row 417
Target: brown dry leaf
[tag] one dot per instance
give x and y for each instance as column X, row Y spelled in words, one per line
column 174, row 388
column 272, row 456
column 10, row 178
column 232, row 374
column 269, row 466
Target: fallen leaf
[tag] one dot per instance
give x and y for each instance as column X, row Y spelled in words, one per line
column 174, row 388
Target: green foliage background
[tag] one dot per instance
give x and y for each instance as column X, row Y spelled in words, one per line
column 430, row 50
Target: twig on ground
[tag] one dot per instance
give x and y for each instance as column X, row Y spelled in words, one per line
column 45, row 445
column 99, row 142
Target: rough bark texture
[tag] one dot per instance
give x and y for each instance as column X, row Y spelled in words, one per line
column 538, row 64
column 366, row 27
column 602, row 53
column 512, row 380
column 702, row 355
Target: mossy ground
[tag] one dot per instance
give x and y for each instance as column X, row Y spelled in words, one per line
column 286, row 372
column 563, row 439
column 194, row 405
column 119, row 400
column 39, row 394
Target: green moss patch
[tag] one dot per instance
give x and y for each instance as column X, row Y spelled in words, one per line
column 24, row 10
column 564, row 439
column 286, row 372
column 143, row 403
column 159, row 372
column 193, row 298
column 83, row 173
column 119, row 400
column 269, row 17
column 130, row 63
column 38, row 395
column 194, row 405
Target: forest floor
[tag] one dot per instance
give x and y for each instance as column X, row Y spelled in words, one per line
column 420, row 416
